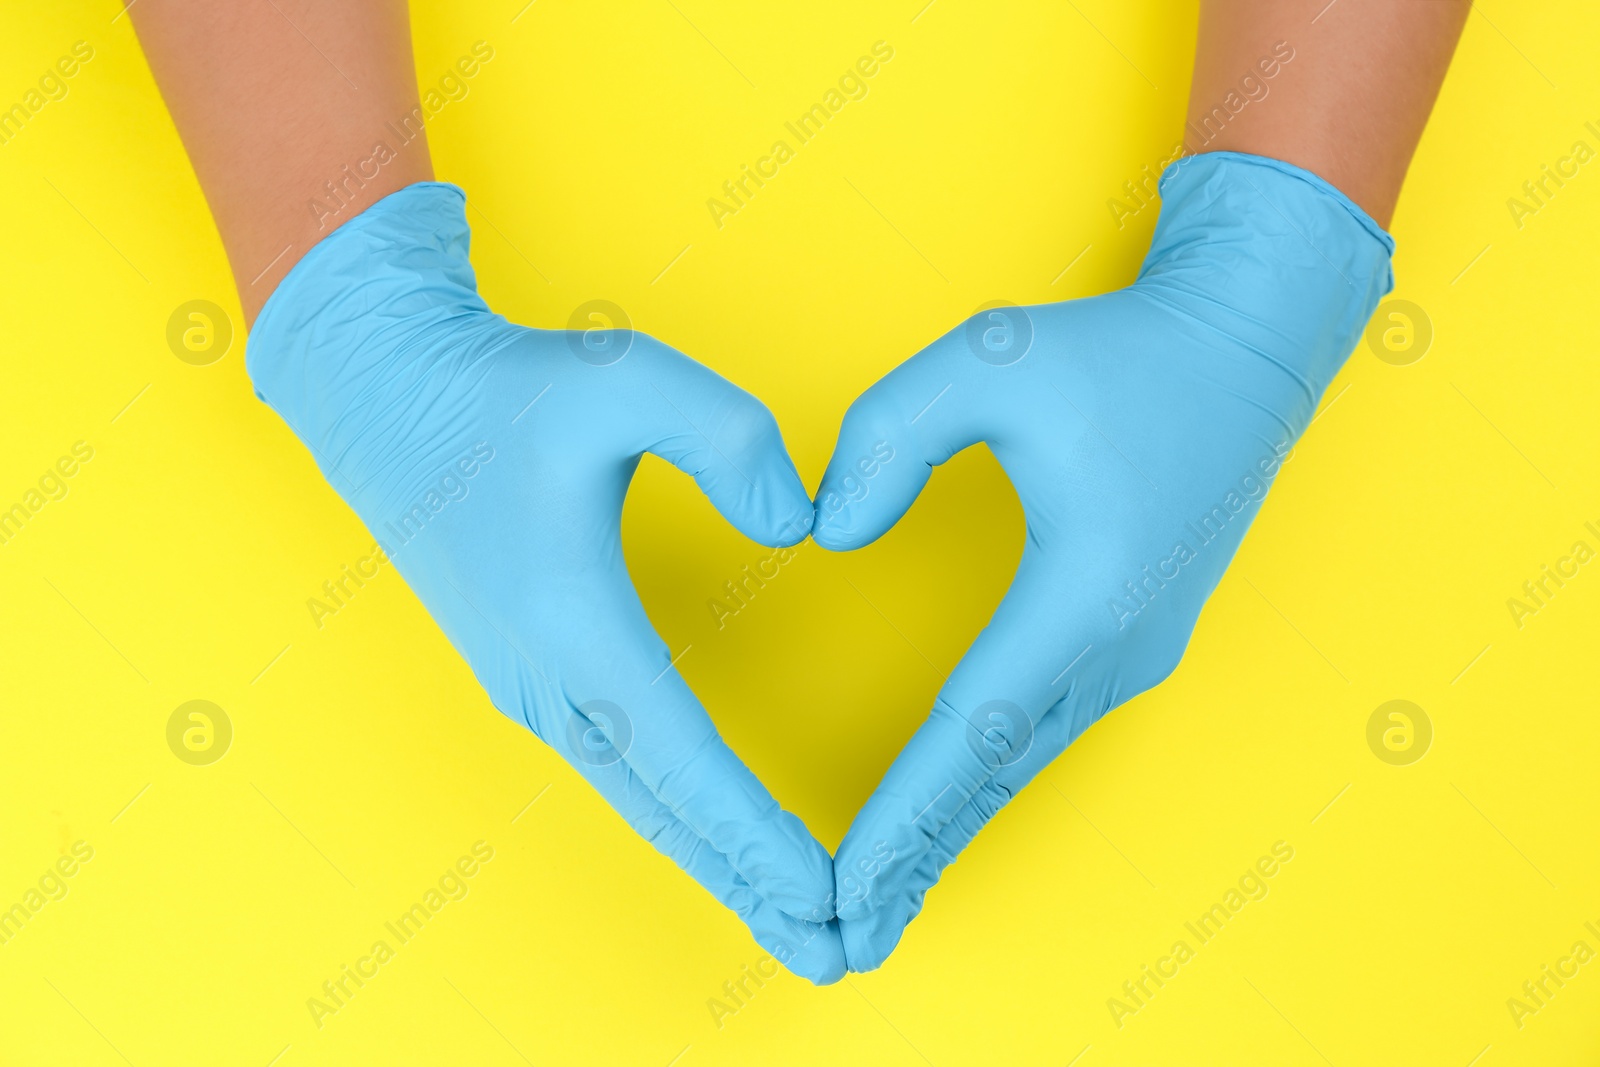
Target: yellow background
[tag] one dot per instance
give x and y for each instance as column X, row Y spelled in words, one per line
column 365, row 759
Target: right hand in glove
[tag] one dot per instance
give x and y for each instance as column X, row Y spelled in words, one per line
column 491, row 461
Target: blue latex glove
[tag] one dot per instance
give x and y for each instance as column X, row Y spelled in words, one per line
column 491, row 462
column 1140, row 429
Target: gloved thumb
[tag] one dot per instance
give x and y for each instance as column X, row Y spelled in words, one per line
column 892, row 437
column 729, row 443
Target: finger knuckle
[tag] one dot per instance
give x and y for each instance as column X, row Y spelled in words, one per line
column 745, row 424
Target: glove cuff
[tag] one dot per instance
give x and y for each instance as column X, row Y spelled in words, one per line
column 348, row 336
column 1271, row 254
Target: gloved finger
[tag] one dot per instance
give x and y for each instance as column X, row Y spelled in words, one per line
column 729, row 443
column 642, row 712
column 812, row 950
column 1040, row 642
column 916, row 417
column 869, row 941
column 621, row 702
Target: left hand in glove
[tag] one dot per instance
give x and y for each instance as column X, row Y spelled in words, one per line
column 1141, row 430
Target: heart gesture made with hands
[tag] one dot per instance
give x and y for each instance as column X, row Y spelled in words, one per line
column 1141, row 430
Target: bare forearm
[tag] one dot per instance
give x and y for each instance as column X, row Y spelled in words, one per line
column 1349, row 105
column 296, row 115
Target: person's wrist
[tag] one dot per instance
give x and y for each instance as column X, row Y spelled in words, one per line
column 1271, row 254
